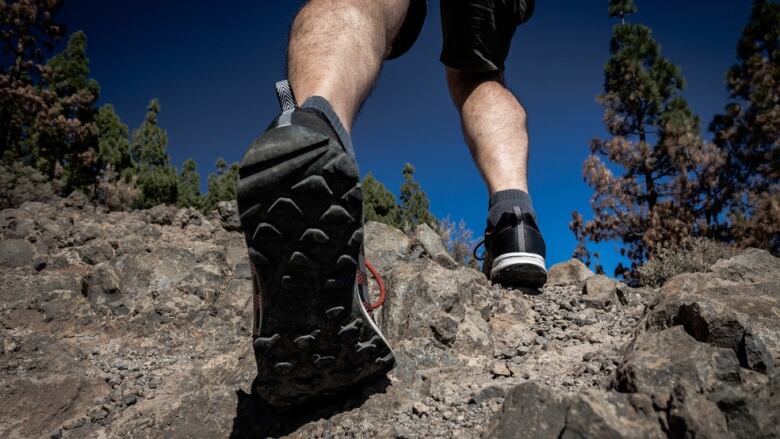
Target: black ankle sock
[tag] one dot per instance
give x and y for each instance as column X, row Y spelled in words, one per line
column 322, row 106
column 504, row 201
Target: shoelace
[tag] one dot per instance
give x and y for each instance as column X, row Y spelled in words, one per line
column 474, row 252
column 382, row 293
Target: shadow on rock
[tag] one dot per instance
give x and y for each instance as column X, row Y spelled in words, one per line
column 255, row 418
column 528, row 291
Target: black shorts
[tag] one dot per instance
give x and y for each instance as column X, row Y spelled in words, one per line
column 476, row 33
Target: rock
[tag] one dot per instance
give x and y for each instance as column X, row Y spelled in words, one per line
column 487, row 393
column 16, row 253
column 228, row 216
column 431, row 242
column 635, row 296
column 753, row 354
column 97, row 414
column 445, row 328
column 474, row 335
column 161, row 214
column 531, row 409
column 420, row 409
column 723, row 313
column 101, row 287
column 499, row 369
column 600, row 292
column 537, row 411
column 693, row 416
column 571, row 272
column 657, row 362
column 141, row 321
column 750, row 266
column 96, row 251
column 76, row 199
column 385, row 246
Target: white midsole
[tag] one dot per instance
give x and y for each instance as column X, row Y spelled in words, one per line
column 517, row 258
column 370, row 320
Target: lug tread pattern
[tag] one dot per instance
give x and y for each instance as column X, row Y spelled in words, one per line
column 301, row 214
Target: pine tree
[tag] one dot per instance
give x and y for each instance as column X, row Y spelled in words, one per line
column 379, row 203
column 113, row 142
column 65, row 130
column 222, row 185
column 660, row 194
column 414, row 207
column 157, row 179
column 188, row 194
column 749, row 132
column 29, row 30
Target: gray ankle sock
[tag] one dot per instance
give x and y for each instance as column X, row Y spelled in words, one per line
column 503, row 201
column 322, row 106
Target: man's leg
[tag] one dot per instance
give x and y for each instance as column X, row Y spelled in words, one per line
column 494, row 127
column 301, row 208
column 337, row 47
column 477, row 35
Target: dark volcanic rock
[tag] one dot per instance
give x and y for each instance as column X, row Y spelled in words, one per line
column 657, row 362
column 725, row 313
column 531, row 410
column 136, row 324
column 16, row 253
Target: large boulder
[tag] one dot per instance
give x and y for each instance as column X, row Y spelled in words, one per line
column 657, row 362
column 733, row 307
column 533, row 410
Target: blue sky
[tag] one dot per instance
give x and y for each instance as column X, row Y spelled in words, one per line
column 213, row 66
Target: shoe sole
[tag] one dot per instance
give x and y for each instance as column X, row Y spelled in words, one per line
column 519, row 269
column 301, row 206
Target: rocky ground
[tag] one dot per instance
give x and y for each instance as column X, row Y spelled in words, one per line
column 136, row 324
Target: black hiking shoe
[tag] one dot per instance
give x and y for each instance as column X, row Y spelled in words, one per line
column 301, row 211
column 515, row 251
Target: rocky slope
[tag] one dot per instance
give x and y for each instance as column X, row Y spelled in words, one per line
column 137, row 325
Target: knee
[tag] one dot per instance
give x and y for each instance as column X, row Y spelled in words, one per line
column 375, row 20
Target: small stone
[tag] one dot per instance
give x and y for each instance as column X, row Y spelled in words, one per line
column 499, row 369
column 599, row 291
column 97, row 414
column 486, row 394
column 516, row 369
column 9, row 346
column 74, row 423
column 420, row 409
